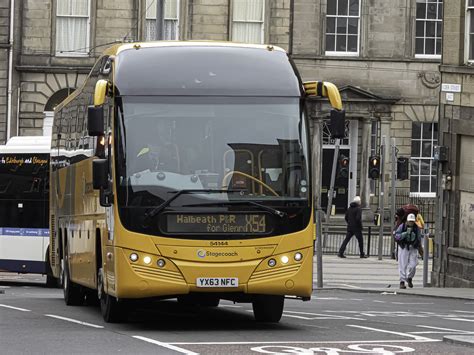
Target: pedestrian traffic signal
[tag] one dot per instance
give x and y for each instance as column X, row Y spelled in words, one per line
column 403, row 166
column 343, row 166
column 374, row 167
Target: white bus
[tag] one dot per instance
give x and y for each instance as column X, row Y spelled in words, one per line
column 24, row 206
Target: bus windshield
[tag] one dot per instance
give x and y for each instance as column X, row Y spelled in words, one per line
column 243, row 148
column 24, row 189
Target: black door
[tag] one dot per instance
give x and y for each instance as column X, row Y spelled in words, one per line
column 341, row 184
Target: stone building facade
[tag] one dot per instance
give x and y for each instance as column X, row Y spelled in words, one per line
column 454, row 262
column 384, row 55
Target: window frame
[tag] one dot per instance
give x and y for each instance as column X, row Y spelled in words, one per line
column 264, row 22
column 425, row 20
column 467, row 42
column 346, row 53
column 434, row 141
column 178, row 18
column 86, row 53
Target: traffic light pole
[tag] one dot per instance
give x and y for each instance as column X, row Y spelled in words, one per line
column 333, row 178
column 381, row 195
column 393, row 192
column 160, row 20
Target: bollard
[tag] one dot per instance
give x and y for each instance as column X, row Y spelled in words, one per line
column 425, row 255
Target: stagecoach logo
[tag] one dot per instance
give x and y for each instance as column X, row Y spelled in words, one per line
column 201, row 253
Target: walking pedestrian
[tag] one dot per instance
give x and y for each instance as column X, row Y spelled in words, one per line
column 408, row 238
column 354, row 227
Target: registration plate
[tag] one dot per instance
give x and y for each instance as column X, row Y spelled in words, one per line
column 217, row 282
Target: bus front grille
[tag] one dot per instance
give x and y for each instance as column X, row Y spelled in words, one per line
column 284, row 271
column 158, row 274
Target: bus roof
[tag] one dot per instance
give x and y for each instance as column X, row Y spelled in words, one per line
column 27, row 144
column 205, row 69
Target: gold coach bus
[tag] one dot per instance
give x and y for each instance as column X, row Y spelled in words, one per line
column 182, row 170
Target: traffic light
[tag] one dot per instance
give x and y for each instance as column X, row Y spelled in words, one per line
column 374, row 167
column 403, row 165
column 343, row 166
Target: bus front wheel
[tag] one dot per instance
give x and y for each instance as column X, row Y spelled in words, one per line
column 112, row 310
column 267, row 308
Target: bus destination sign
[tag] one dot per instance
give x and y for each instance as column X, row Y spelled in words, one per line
column 238, row 223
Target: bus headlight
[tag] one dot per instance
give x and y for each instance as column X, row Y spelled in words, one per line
column 147, row 260
column 284, row 259
column 160, row 263
column 298, row 256
column 272, row 262
column 133, row 257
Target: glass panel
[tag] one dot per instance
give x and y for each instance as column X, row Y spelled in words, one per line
column 434, row 167
column 342, row 25
column 426, row 150
column 433, row 184
column 353, row 7
column 353, row 26
column 424, row 184
column 331, row 25
column 438, row 47
column 440, row 11
column 429, row 43
column 414, row 184
column 439, row 32
column 415, row 167
column 415, row 148
column 424, row 167
column 352, row 44
column 431, row 13
column 471, row 21
column 471, row 46
column 420, row 28
column 420, row 10
column 71, row 34
column 341, row 43
column 471, row 3
column 331, row 7
column 330, row 43
column 430, row 29
column 247, row 32
column 150, row 9
column 415, row 130
column 171, row 9
column 419, row 46
column 342, row 7
column 427, row 130
column 248, row 10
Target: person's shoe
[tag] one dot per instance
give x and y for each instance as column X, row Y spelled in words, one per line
column 341, row 256
column 410, row 283
column 402, row 285
column 363, row 256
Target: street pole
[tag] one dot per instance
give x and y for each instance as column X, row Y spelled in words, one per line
column 425, row 255
column 393, row 192
column 160, row 20
column 317, row 167
column 381, row 194
column 333, row 178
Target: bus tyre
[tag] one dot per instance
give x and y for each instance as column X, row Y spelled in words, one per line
column 112, row 310
column 73, row 295
column 268, row 308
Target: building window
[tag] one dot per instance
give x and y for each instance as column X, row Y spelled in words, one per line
column 342, row 27
column 423, row 167
column 72, row 27
column 171, row 20
column 469, row 31
column 248, row 21
column 429, row 25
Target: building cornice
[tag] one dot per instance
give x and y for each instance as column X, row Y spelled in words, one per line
column 53, row 69
column 456, row 69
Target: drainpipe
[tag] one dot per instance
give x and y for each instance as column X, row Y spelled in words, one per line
column 10, row 70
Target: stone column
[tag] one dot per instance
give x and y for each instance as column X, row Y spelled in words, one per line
column 385, row 125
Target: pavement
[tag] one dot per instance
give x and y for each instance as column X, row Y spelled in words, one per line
column 381, row 276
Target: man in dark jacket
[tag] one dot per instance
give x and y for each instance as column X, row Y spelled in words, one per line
column 354, row 227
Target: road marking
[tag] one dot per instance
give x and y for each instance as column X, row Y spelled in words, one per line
column 345, row 285
column 416, row 337
column 74, row 321
column 165, row 345
column 447, row 329
column 17, row 308
column 427, row 340
column 464, row 312
column 319, row 315
column 411, row 302
column 460, row 319
column 229, row 306
column 377, row 301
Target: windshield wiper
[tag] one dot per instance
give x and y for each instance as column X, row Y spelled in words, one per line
column 149, row 215
column 272, row 210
